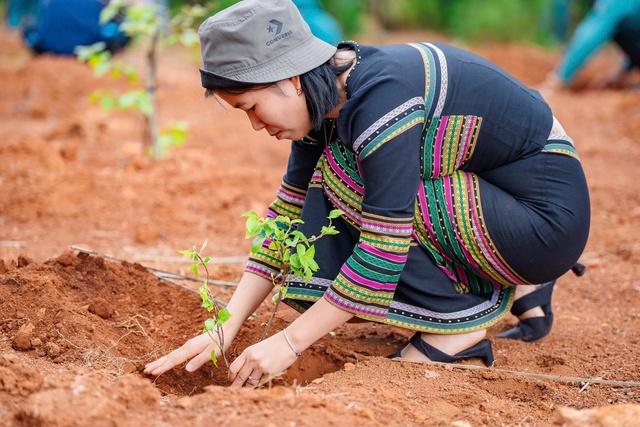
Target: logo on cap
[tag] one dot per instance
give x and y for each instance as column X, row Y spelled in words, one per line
column 279, row 35
column 278, row 25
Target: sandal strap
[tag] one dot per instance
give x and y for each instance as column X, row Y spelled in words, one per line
column 481, row 349
column 428, row 350
column 539, row 297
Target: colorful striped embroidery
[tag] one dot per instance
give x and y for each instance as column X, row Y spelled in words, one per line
column 451, row 226
column 429, row 75
column 560, row 148
column 449, row 142
column 367, row 281
column 389, row 126
column 432, row 57
column 289, row 201
column 301, row 295
column 336, row 173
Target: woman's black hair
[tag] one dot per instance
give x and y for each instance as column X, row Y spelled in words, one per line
column 319, row 86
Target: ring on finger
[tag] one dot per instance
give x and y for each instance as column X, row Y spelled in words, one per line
column 253, row 378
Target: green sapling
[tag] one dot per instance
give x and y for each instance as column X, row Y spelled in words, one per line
column 292, row 247
column 212, row 325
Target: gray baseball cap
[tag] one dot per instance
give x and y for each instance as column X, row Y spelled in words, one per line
column 259, row 41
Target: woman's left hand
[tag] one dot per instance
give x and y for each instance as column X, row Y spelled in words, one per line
column 261, row 362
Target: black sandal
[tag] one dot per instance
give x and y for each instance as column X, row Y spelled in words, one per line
column 482, row 350
column 533, row 328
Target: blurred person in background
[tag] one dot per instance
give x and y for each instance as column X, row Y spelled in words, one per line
column 59, row 26
column 461, row 191
column 606, row 21
column 323, row 25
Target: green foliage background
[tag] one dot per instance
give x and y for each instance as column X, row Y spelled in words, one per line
column 528, row 21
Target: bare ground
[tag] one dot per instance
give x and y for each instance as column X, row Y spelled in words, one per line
column 76, row 329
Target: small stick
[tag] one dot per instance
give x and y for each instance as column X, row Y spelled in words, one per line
column 12, row 243
column 182, row 260
column 584, row 387
column 526, row 374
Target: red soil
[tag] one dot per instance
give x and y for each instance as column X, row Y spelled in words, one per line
column 77, row 329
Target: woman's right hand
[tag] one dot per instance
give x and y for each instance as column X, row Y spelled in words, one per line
column 198, row 349
column 251, row 291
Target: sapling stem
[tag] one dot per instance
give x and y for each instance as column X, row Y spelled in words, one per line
column 295, row 251
column 220, row 315
column 281, row 295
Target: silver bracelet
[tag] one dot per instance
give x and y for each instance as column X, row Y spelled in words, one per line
column 286, row 337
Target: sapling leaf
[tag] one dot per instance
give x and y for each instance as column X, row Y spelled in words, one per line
column 282, row 218
column 101, row 67
column 252, row 224
column 172, row 39
column 129, row 99
column 301, row 249
column 207, row 305
column 329, row 230
column 223, row 316
column 213, row 358
column 335, row 213
column 144, row 104
column 194, row 268
column 146, row 22
column 84, row 53
column 270, row 227
column 254, row 231
column 203, row 292
column 172, row 136
column 295, row 261
column 189, row 37
column 306, row 274
column 279, row 235
column 313, row 265
column 109, row 12
column 106, row 102
column 186, row 253
column 116, row 72
column 256, row 245
column 209, row 325
column 249, row 214
column 131, row 73
column 311, row 252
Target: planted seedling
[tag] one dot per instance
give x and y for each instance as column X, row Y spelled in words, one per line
column 219, row 315
column 292, row 247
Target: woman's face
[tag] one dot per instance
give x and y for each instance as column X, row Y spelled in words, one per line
column 279, row 109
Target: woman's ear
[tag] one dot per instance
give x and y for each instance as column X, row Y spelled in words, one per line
column 297, row 84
